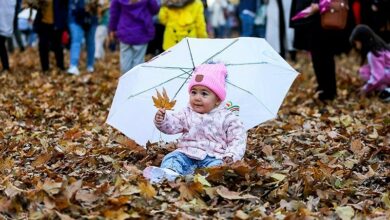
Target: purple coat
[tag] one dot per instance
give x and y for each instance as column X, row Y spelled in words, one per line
column 133, row 22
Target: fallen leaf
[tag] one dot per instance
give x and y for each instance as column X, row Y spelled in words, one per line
column 147, row 190
column 201, row 179
column 267, row 150
column 63, row 216
column 374, row 134
column 86, row 196
column 241, row 215
column 345, row 212
column 227, row 194
column 278, row 176
column 386, row 200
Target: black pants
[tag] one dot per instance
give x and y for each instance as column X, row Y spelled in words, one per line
column 3, row 53
column 50, row 39
column 325, row 71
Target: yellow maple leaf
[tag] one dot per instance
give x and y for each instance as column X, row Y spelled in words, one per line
column 162, row 101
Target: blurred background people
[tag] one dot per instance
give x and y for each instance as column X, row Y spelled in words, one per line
column 182, row 18
column 375, row 60
column 7, row 16
column 102, row 28
column 247, row 12
column 131, row 22
column 26, row 19
column 82, row 23
column 155, row 45
column 279, row 35
column 217, row 17
column 49, row 24
column 260, row 21
column 16, row 34
column 323, row 45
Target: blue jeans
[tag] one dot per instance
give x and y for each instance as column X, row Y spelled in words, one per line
column 184, row 165
column 247, row 25
column 77, row 34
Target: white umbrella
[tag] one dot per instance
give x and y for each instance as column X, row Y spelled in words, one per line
column 258, row 80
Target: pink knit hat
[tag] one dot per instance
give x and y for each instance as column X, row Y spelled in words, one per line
column 212, row 76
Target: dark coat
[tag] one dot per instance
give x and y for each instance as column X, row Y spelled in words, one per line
column 310, row 34
column 60, row 12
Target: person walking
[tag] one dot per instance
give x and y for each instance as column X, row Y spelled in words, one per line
column 102, row 29
column 182, row 18
column 82, row 22
column 247, row 12
column 49, row 24
column 7, row 14
column 322, row 43
column 132, row 23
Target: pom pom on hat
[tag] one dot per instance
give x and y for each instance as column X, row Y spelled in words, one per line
column 212, row 76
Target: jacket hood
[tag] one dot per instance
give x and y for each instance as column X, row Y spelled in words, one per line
column 176, row 3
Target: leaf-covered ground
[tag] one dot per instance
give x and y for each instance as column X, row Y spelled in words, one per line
column 59, row 160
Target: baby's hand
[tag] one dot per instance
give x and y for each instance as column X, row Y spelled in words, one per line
column 228, row 160
column 160, row 115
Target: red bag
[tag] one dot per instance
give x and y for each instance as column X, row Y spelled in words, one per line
column 336, row 16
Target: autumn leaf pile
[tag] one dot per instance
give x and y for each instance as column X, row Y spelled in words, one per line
column 59, row 160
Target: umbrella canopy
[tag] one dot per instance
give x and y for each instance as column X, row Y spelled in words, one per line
column 258, row 80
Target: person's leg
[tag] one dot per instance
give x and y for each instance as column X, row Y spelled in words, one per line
column 247, row 23
column 90, row 41
column 18, row 38
column 139, row 54
column 3, row 53
column 10, row 44
column 325, row 71
column 43, row 45
column 126, row 57
column 57, row 47
column 77, row 34
column 209, row 162
column 100, row 36
column 179, row 163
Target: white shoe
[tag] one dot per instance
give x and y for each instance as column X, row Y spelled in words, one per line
column 90, row 69
column 73, row 70
column 157, row 174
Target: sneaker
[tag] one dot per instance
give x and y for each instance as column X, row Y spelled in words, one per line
column 385, row 95
column 90, row 69
column 157, row 174
column 73, row 70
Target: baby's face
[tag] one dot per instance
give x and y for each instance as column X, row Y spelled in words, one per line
column 203, row 100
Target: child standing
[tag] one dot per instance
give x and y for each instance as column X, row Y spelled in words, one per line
column 376, row 72
column 211, row 134
column 131, row 21
column 182, row 18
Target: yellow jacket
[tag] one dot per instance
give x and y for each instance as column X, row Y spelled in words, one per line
column 187, row 21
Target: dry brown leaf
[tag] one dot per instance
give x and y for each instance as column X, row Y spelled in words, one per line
column 147, row 190
column 86, row 196
column 227, row 194
column 162, row 101
column 119, row 214
column 41, row 159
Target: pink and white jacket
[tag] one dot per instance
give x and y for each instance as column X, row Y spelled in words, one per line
column 377, row 72
column 218, row 133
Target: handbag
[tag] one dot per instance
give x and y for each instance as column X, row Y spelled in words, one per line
column 336, row 15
